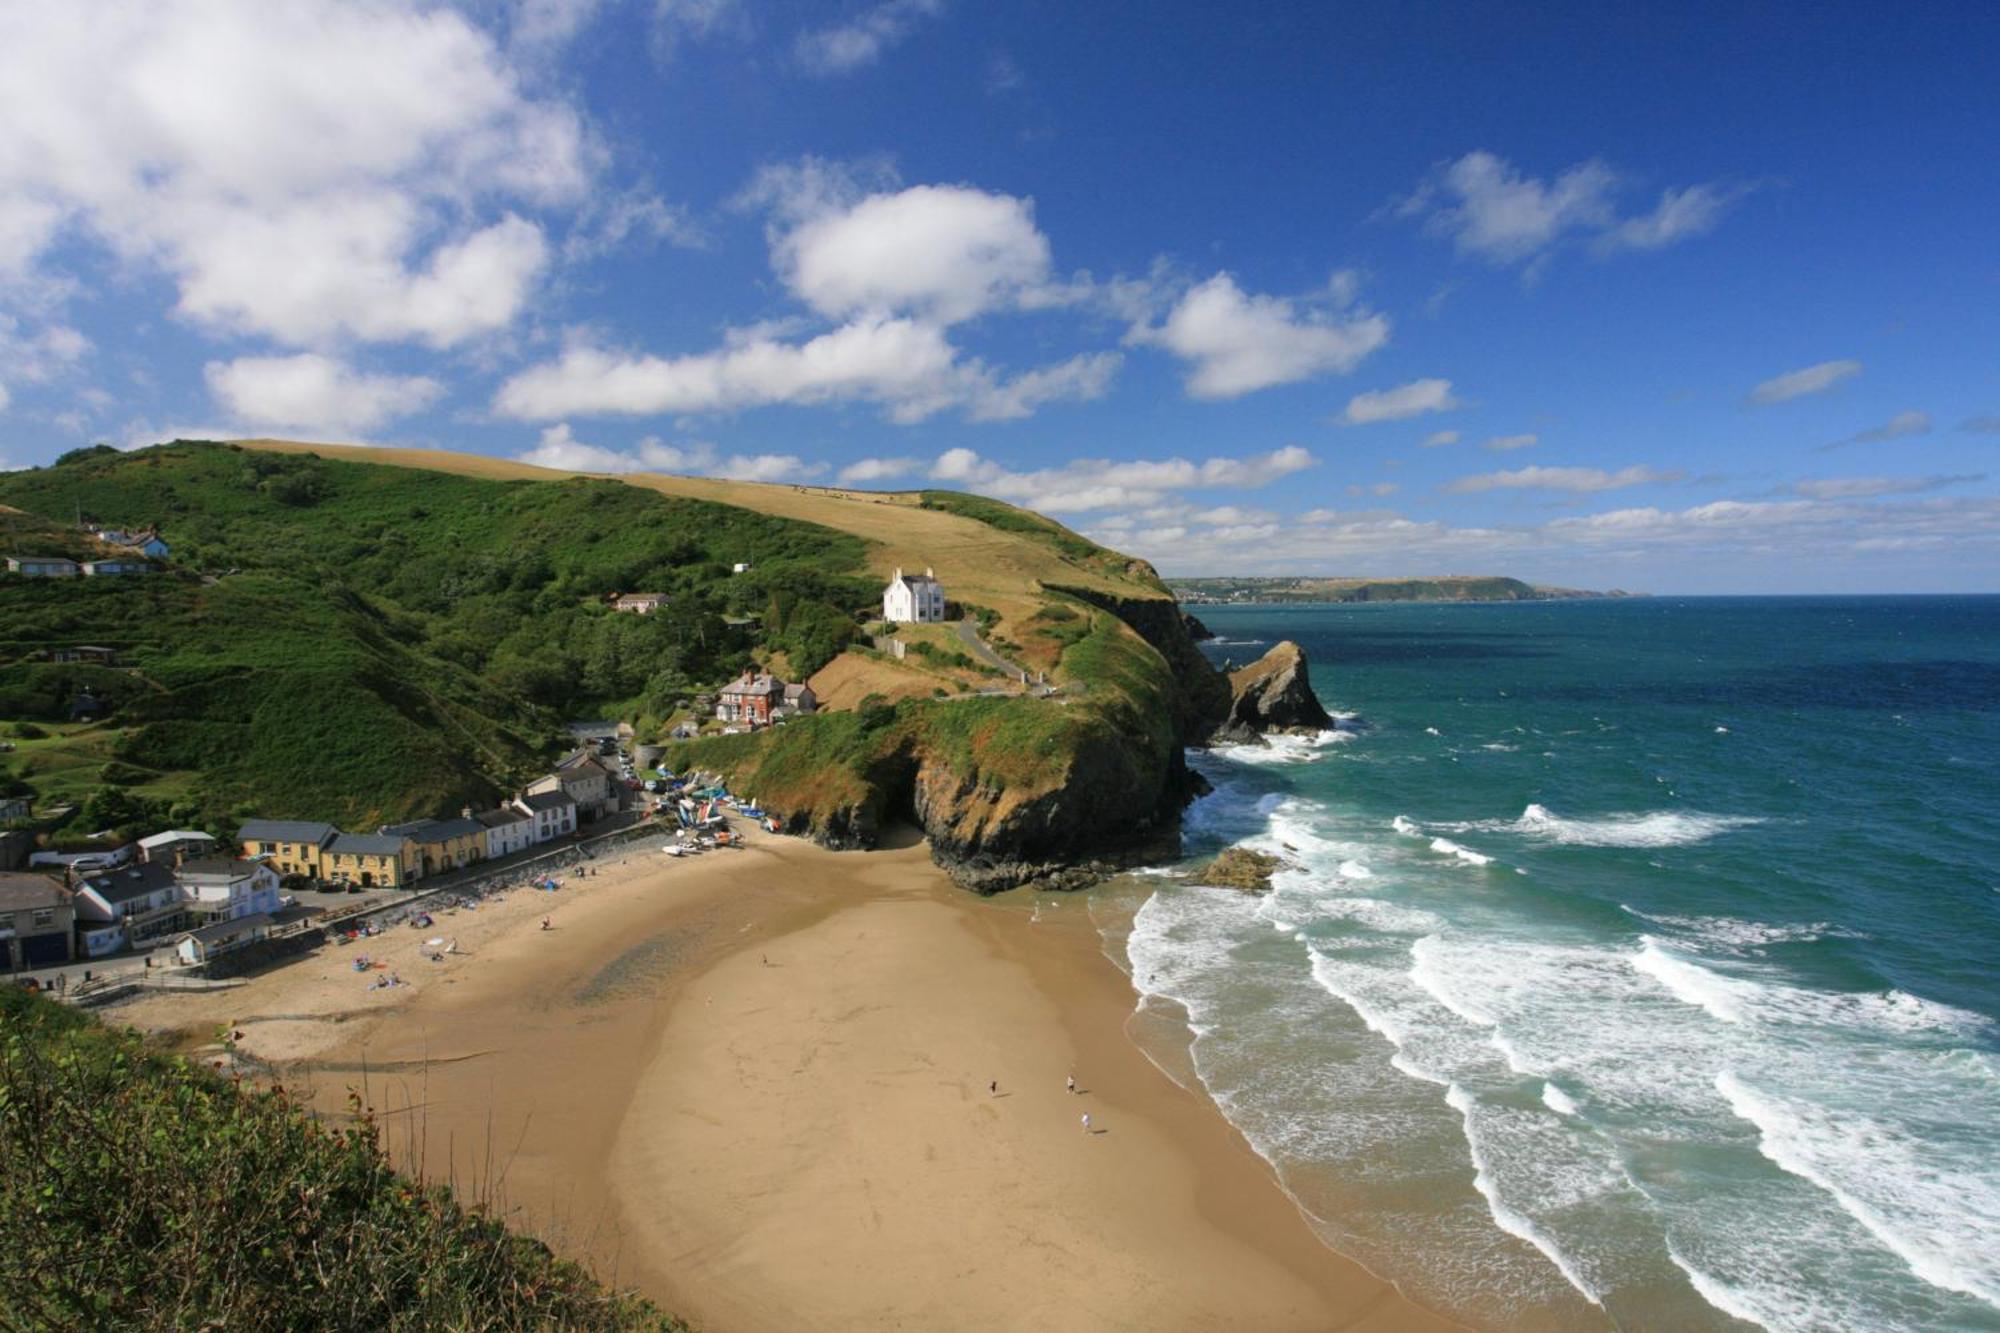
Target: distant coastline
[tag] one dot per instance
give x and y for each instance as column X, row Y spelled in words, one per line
column 1256, row 590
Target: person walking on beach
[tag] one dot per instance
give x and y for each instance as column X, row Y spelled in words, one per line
column 1069, row 1084
column 1086, row 1122
column 993, row 1088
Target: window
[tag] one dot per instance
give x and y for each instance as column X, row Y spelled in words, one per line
column 43, row 918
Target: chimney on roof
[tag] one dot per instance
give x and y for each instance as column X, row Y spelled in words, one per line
column 929, row 573
column 465, row 812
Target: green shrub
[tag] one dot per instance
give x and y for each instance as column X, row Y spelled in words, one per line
column 143, row 1192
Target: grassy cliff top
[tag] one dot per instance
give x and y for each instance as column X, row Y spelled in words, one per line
column 986, row 552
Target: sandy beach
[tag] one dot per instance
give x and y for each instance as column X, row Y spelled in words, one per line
column 758, row 1085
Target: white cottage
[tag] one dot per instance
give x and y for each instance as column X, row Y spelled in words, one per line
column 913, row 597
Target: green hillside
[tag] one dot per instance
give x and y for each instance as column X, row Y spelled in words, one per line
column 357, row 643
column 358, row 635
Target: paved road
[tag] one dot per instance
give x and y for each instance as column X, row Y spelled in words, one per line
column 969, row 636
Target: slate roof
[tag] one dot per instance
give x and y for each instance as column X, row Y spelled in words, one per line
column 19, row 893
column 434, row 831
column 548, row 800
column 284, row 830
column 367, row 844
column 501, row 817
column 131, row 882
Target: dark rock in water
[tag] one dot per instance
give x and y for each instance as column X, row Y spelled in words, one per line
column 1197, row 631
column 1239, row 868
column 1274, row 693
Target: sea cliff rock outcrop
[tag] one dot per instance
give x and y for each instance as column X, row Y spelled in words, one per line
column 1241, row 869
column 1273, row 694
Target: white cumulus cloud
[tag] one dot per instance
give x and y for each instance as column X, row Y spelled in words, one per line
column 559, row 448
column 1238, row 342
column 907, row 367
column 948, row 252
column 315, row 393
column 1861, row 488
column 1097, row 483
column 1506, row 444
column 864, row 470
column 1489, row 208
column 1899, row 427
column 1803, row 382
column 861, row 39
column 1438, row 439
column 1402, row 402
column 1582, row 480
column 305, row 169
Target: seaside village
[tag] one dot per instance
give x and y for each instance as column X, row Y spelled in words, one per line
column 184, row 898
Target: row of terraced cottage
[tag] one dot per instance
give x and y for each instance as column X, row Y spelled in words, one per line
column 580, row 789
column 174, row 888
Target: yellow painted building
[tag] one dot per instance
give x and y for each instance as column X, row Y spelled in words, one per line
column 373, row 860
column 443, row 844
column 290, row 846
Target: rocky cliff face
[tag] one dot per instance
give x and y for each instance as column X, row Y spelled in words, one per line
column 1058, row 794
column 1274, row 693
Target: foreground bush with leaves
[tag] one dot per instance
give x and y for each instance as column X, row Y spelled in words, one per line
column 138, row 1190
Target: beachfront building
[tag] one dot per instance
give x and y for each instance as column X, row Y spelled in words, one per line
column 372, row 860
column 751, row 699
column 913, row 599
column 223, row 890
column 100, row 568
column 175, row 845
column 41, row 566
column 553, row 813
column 594, row 788
column 639, row 603
column 443, row 844
column 212, row 941
column 292, row 846
column 134, row 906
column 37, row 921
column 507, row 831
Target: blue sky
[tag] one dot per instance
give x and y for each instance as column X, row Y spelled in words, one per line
column 1684, row 298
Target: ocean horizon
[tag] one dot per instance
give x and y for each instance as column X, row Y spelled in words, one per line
column 1628, row 953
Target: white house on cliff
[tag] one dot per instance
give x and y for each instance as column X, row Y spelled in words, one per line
column 913, row 597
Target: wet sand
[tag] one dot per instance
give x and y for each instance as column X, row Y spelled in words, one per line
column 756, row 1085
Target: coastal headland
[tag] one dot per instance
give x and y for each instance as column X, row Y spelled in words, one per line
column 760, row 1086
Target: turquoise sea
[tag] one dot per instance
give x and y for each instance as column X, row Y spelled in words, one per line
column 1637, row 954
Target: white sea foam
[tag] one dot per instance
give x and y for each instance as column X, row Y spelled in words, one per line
column 1355, row 870
column 1446, row 847
column 1737, row 999
column 1730, row 934
column 1287, row 749
column 1504, row 1215
column 1569, row 1051
column 1941, row 1220
column 1659, row 828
